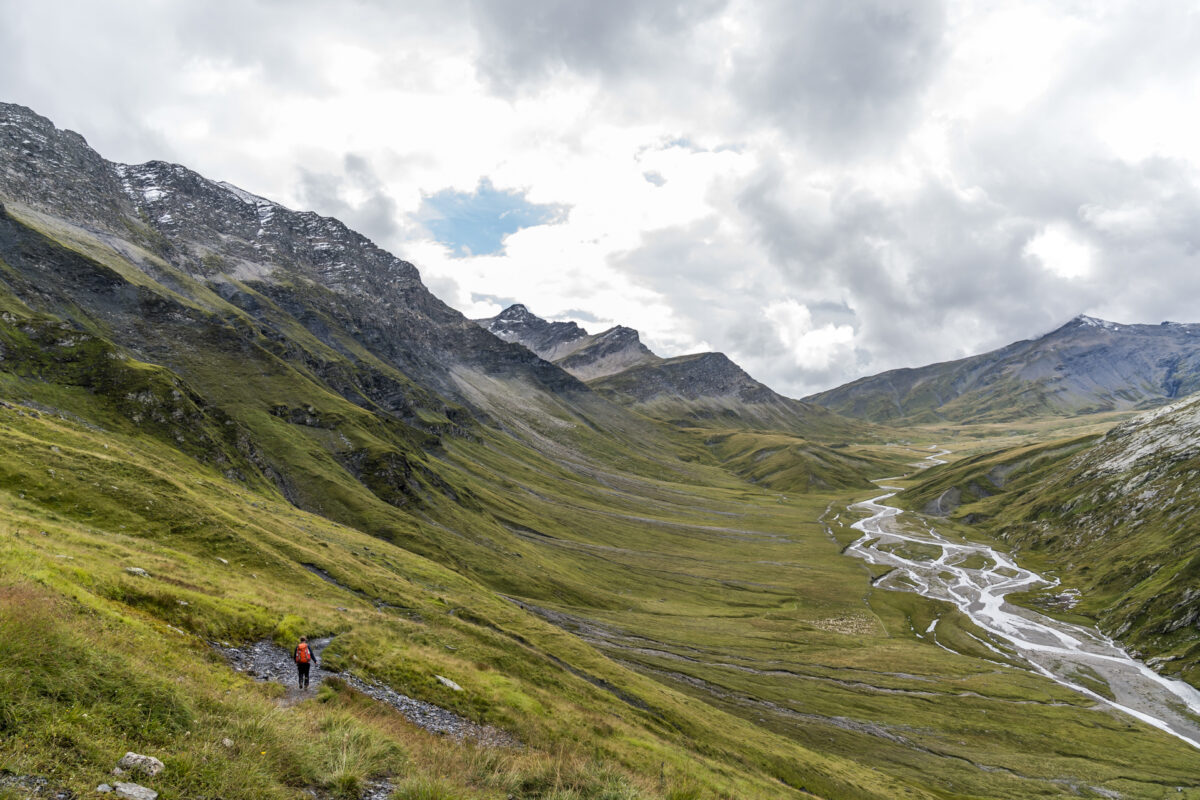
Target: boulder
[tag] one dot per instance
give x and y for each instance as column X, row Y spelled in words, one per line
column 448, row 683
column 133, row 791
column 148, row 765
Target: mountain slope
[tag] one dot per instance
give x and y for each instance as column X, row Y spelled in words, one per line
column 1086, row 366
column 1113, row 515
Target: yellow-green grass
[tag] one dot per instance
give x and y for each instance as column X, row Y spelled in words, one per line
column 113, row 502
column 707, row 637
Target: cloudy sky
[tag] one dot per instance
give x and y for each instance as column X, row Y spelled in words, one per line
column 821, row 189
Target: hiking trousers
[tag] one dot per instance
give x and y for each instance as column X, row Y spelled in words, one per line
column 302, row 678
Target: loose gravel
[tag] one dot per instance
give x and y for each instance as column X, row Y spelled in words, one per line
column 266, row 661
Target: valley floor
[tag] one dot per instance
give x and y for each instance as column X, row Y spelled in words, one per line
column 755, row 610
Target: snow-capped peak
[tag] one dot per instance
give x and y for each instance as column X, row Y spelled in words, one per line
column 1093, row 322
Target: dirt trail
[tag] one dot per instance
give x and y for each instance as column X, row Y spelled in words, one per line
column 266, row 661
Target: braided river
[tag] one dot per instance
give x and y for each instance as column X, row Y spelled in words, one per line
column 1061, row 651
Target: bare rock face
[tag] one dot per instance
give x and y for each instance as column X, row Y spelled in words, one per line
column 269, row 261
column 607, row 353
column 56, row 171
column 584, row 355
column 550, row 340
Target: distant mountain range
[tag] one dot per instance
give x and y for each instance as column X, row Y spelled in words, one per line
column 703, row 389
column 1088, row 365
column 586, row 356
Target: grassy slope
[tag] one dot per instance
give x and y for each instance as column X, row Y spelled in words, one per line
column 706, row 630
column 80, row 505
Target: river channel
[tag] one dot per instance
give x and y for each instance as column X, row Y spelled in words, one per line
column 1061, row 651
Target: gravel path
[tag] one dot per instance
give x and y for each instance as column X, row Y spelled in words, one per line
column 266, row 661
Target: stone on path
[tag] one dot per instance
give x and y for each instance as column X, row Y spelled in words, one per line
column 138, row 571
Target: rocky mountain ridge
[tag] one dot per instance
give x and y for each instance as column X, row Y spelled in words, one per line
column 701, row 389
column 254, row 254
column 584, row 355
column 1087, row 365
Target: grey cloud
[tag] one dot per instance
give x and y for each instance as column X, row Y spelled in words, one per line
column 937, row 274
column 838, row 76
column 841, row 75
column 580, row 314
column 523, row 44
column 717, row 290
column 500, row 300
column 912, row 270
column 375, row 216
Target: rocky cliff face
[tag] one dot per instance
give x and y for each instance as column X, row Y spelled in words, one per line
column 550, row 340
column 608, row 353
column 274, row 264
column 1087, row 365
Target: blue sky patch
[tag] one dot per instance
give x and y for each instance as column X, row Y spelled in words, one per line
column 475, row 223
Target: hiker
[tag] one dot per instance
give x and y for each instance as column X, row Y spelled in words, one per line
column 304, row 659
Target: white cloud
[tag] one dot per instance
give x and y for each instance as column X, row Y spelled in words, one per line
column 893, row 184
column 1062, row 252
column 811, row 347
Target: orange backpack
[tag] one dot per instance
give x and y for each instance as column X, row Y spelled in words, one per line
column 302, row 654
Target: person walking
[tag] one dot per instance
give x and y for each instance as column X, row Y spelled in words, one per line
column 304, row 658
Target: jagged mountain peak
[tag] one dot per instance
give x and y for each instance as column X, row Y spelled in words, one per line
column 620, row 333
column 246, row 197
column 549, row 340
column 518, row 312
column 584, row 355
column 213, row 227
